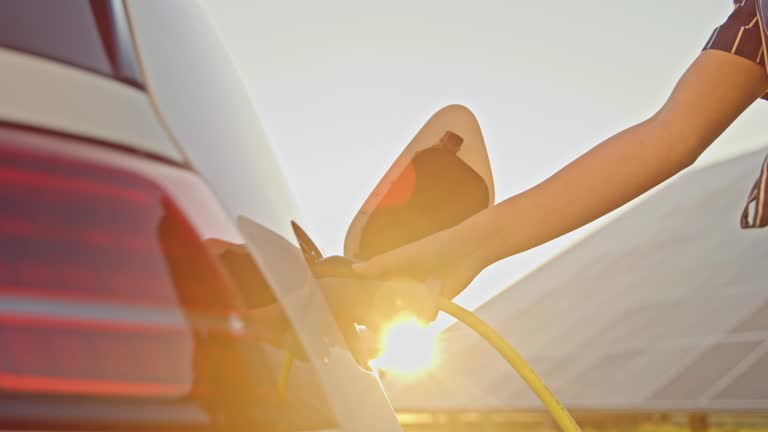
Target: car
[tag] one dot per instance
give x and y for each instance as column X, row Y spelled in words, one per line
column 153, row 273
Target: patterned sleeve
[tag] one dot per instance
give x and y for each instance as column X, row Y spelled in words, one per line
column 741, row 34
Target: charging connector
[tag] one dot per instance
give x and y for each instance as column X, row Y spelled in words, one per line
column 556, row 409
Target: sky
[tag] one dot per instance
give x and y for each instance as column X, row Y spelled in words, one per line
column 341, row 86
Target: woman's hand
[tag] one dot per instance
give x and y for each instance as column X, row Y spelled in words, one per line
column 453, row 257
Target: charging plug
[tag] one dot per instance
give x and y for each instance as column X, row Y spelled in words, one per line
column 373, row 302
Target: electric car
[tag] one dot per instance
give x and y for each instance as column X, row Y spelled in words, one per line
column 152, row 271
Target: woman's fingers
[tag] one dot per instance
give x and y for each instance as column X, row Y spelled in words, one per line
column 412, row 260
column 379, row 266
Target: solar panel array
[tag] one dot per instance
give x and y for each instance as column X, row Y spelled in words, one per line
column 665, row 307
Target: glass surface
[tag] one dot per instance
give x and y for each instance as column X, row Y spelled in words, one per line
column 90, row 34
column 704, row 372
column 750, row 385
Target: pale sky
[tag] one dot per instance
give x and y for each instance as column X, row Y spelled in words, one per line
column 342, row 85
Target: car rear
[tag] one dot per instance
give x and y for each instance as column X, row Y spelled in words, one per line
column 129, row 154
column 114, row 311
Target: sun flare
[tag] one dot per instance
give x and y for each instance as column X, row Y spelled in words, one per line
column 409, row 347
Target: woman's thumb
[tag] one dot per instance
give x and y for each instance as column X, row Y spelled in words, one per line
column 364, row 267
column 376, row 266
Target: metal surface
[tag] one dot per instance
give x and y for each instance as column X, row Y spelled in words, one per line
column 201, row 98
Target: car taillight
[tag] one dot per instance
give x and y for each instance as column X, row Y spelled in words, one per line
column 106, row 285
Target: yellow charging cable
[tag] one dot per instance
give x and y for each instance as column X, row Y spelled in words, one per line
column 556, row 409
column 285, row 373
column 561, row 416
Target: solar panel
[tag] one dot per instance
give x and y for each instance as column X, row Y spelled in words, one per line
column 704, row 372
column 758, row 321
column 750, row 385
column 665, row 307
column 590, row 383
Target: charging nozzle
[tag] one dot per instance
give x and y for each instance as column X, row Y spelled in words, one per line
column 372, row 302
column 355, row 298
column 556, row 409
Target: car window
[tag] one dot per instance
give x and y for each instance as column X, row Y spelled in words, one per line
column 90, row 34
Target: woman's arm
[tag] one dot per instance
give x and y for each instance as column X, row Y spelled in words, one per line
column 709, row 96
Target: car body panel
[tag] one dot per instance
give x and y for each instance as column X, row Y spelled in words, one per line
column 46, row 94
column 201, row 98
column 442, row 177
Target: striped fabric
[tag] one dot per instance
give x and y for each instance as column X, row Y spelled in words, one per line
column 741, row 34
column 755, row 214
column 744, row 33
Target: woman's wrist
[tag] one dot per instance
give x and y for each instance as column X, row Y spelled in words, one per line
column 501, row 231
column 478, row 237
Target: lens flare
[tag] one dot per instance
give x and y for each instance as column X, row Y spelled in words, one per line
column 409, row 347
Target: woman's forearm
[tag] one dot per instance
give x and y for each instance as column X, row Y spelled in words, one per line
column 712, row 93
column 610, row 175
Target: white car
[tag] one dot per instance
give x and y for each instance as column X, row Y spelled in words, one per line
column 149, row 273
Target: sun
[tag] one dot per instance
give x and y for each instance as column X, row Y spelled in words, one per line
column 408, row 347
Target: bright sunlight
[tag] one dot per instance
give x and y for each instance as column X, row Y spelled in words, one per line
column 409, row 347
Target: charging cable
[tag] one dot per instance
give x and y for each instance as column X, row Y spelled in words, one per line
column 558, row 412
column 285, row 373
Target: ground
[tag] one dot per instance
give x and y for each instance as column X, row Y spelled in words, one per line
column 590, row 422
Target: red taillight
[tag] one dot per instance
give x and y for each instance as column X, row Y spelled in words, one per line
column 106, row 285
column 65, row 356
